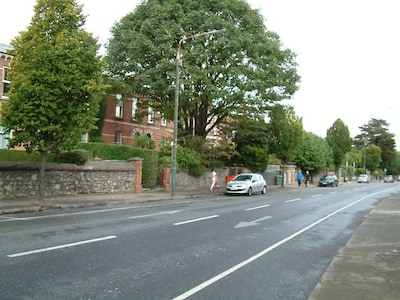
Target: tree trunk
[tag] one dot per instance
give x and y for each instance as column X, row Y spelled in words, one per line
column 42, row 176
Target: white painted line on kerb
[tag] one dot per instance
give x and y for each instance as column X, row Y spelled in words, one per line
column 222, row 275
column 258, row 207
column 196, row 220
column 62, row 246
column 293, row 200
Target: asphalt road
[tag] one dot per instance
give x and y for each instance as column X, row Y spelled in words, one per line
column 273, row 246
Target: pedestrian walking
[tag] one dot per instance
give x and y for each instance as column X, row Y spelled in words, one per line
column 299, row 177
column 213, row 177
column 308, row 178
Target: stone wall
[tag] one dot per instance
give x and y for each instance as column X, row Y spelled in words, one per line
column 21, row 180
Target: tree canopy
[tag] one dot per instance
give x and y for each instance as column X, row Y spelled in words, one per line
column 239, row 72
column 56, row 80
column 376, row 132
column 338, row 137
column 313, row 153
column 286, row 132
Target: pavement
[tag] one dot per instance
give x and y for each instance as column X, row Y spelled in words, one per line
column 367, row 267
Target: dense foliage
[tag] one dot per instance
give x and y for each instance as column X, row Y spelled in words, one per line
column 338, row 138
column 240, row 72
column 56, row 81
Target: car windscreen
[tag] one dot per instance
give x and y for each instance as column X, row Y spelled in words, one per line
column 243, row 178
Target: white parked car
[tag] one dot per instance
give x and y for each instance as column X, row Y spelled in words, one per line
column 363, row 178
column 246, row 183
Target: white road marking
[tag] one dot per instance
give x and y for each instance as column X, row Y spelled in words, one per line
column 195, row 220
column 62, row 246
column 258, row 207
column 155, row 214
column 233, row 269
column 86, row 212
column 315, row 196
column 293, row 200
column 252, row 223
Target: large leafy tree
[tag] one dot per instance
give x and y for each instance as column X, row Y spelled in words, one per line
column 372, row 157
column 241, row 71
column 376, row 132
column 286, row 132
column 56, row 81
column 338, row 137
column 251, row 141
column 313, row 153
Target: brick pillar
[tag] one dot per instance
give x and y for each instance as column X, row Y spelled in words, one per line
column 137, row 163
column 166, row 178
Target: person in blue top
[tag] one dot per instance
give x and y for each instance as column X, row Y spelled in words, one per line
column 299, row 177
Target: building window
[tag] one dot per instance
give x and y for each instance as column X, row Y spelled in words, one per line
column 85, row 138
column 5, row 82
column 3, row 139
column 150, row 116
column 135, row 108
column 118, row 137
column 119, row 106
column 163, row 120
column 163, row 141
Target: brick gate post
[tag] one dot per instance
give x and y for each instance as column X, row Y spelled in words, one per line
column 137, row 163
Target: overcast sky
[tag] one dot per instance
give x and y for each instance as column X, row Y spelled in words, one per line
column 348, row 53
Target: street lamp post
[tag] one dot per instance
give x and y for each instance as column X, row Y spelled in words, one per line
column 175, row 138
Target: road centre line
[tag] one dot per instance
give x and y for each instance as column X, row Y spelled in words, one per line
column 258, row 207
column 195, row 220
column 62, row 246
column 240, row 265
column 293, row 200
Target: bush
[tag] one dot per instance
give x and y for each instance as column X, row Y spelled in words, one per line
column 78, row 157
column 197, row 170
column 188, row 160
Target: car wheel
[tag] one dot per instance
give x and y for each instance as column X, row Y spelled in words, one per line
column 249, row 191
column 264, row 190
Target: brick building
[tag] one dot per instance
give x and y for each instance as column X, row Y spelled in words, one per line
column 122, row 123
column 5, row 60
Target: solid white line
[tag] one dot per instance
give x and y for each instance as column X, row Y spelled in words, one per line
column 293, row 200
column 262, row 253
column 196, row 220
column 62, row 246
column 258, row 207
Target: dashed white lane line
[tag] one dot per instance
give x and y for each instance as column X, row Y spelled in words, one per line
column 257, row 207
column 196, row 220
column 62, row 246
column 293, row 200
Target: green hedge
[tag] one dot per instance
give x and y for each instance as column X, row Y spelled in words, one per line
column 121, row 152
column 23, row 156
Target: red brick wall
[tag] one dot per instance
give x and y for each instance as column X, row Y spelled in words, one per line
column 129, row 127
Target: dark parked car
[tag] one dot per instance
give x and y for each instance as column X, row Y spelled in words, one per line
column 246, row 183
column 328, row 180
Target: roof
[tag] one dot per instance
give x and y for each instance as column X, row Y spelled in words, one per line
column 4, row 48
